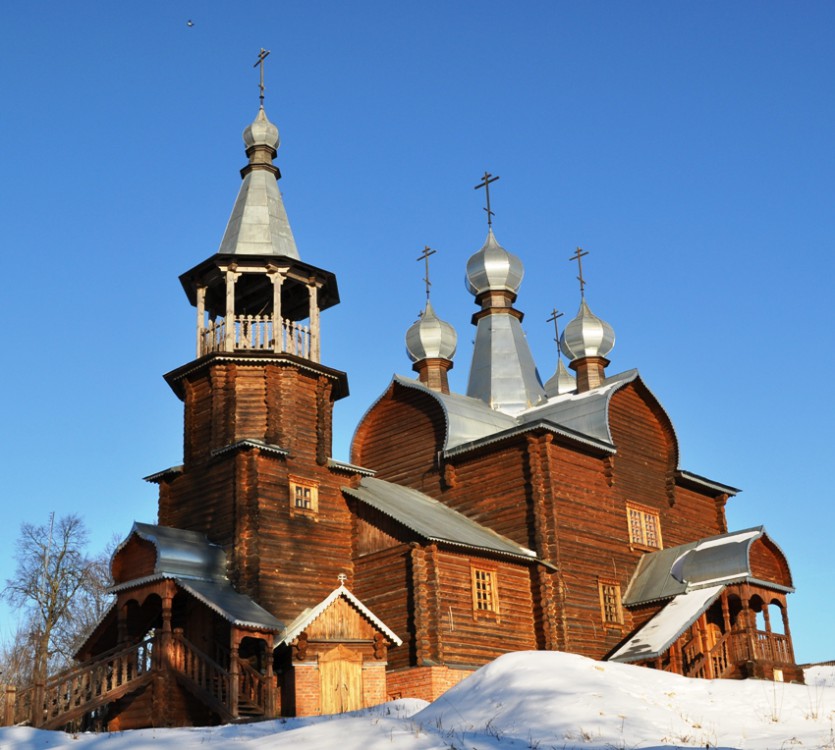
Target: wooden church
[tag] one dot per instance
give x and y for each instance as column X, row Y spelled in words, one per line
column 515, row 516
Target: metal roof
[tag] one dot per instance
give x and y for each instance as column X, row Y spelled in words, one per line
column 237, row 608
column 707, row 562
column 309, row 615
column 199, row 567
column 181, row 553
column 433, row 520
column 467, row 418
column 259, row 224
column 349, row 468
column 657, row 635
column 587, row 412
column 503, row 373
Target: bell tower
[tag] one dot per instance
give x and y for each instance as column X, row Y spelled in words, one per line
column 257, row 476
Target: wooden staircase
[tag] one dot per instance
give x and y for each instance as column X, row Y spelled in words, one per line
column 245, row 695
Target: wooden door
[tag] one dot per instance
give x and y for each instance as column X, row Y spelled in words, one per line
column 340, row 680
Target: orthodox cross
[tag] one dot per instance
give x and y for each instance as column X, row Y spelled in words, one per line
column 427, row 251
column 578, row 256
column 342, row 578
column 262, row 55
column 485, row 183
column 555, row 316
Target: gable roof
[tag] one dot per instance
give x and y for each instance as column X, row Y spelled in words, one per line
column 310, row 615
column 433, row 520
column 720, row 559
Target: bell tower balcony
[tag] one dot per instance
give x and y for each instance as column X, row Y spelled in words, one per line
column 257, row 304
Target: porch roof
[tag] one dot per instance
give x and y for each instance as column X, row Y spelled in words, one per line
column 720, row 559
column 657, row 635
column 198, row 567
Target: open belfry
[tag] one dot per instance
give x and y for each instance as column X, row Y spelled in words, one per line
column 520, row 515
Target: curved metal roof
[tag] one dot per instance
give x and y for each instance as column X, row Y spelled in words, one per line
column 470, row 420
column 467, row 418
column 714, row 560
column 181, row 553
column 198, row 567
column 587, row 412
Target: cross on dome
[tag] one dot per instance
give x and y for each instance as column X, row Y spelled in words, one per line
column 424, row 256
column 485, row 183
column 262, row 55
column 578, row 256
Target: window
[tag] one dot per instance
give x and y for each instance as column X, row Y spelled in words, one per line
column 304, row 496
column 610, row 606
column 485, row 593
column 644, row 527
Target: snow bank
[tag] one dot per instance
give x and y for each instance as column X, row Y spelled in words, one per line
column 532, row 700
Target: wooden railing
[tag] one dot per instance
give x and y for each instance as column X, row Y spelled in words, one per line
column 732, row 650
column 257, row 332
column 202, row 672
column 75, row 692
column 253, row 694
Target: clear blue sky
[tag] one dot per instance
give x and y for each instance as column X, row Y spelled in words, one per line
column 687, row 146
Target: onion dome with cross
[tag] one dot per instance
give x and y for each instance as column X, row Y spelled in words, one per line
column 494, row 269
column 430, row 337
column 587, row 335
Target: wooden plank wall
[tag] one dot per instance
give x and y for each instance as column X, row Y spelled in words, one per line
column 768, row 563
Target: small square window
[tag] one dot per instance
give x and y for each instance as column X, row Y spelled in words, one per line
column 644, row 527
column 610, row 602
column 304, row 496
column 485, row 593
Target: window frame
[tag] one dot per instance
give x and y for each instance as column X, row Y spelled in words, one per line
column 296, row 484
column 643, row 512
column 603, row 585
column 488, row 595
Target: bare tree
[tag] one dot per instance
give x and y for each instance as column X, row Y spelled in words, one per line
column 52, row 575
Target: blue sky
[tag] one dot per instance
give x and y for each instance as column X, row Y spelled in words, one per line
column 686, row 146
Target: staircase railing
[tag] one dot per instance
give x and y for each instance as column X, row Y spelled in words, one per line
column 202, row 674
column 71, row 694
column 252, row 690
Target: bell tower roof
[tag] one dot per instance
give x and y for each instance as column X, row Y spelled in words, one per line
column 259, row 224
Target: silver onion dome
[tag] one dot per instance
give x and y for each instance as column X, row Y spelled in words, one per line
column 430, row 337
column 587, row 336
column 494, row 269
column 261, row 132
column 562, row 381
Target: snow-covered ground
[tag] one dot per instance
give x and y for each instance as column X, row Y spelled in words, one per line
column 529, row 700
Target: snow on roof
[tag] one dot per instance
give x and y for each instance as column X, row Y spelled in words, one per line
column 654, row 638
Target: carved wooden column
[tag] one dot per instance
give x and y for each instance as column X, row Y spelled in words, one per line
column 748, row 618
column 704, row 646
column 234, row 675
column 269, row 677
column 231, row 279
column 201, row 319
column 676, row 662
column 726, row 611
column 277, row 279
column 315, row 346
column 122, row 624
